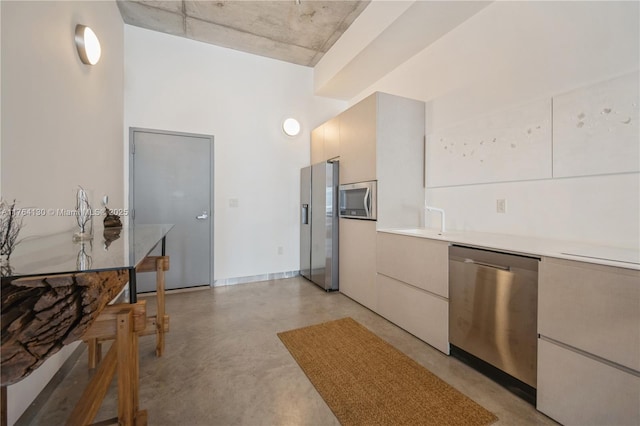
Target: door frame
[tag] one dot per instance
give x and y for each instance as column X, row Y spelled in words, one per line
column 133, row 130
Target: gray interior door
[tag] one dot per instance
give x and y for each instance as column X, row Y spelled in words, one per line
column 172, row 182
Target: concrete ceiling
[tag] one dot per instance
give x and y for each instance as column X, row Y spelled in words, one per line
column 297, row 32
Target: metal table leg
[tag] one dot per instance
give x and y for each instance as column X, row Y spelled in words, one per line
column 133, row 290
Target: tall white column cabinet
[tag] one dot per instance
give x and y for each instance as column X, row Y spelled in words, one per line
column 380, row 138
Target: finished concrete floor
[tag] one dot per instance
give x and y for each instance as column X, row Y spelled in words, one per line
column 224, row 364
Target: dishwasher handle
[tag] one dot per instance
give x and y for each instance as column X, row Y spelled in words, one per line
column 488, row 265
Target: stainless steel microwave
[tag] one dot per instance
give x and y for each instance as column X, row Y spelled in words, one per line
column 359, row 200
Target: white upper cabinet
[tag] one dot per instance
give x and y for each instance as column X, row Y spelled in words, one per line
column 358, row 142
column 317, row 145
column 325, row 141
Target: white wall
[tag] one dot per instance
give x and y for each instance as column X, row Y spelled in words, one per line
column 62, row 120
column 62, row 124
column 172, row 83
column 509, row 54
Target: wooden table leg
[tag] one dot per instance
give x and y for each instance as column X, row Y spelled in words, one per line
column 125, row 381
column 122, row 323
column 160, row 268
column 159, row 265
column 127, row 384
column 89, row 403
column 129, row 413
column 95, row 353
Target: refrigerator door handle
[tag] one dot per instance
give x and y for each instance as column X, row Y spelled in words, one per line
column 305, row 214
column 367, row 202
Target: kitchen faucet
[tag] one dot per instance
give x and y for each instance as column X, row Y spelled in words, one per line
column 435, row 209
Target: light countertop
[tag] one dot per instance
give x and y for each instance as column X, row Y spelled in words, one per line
column 602, row 255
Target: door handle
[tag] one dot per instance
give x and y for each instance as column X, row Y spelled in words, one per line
column 203, row 216
column 367, row 203
column 487, row 265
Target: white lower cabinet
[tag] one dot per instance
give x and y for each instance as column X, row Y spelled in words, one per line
column 576, row 389
column 420, row 262
column 422, row 314
column 594, row 308
column 413, row 286
column 589, row 345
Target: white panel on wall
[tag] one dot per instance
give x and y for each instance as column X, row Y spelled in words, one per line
column 508, row 145
column 595, row 129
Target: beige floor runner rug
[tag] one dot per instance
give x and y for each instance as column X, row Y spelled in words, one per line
column 366, row 381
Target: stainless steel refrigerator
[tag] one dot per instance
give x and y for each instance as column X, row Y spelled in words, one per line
column 319, row 224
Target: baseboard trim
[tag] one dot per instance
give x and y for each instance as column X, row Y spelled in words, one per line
column 229, row 281
column 176, row 290
column 255, row 278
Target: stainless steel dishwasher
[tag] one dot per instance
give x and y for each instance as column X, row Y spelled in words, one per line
column 493, row 307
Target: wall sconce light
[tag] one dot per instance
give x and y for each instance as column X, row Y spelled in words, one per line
column 88, row 45
column 291, row 127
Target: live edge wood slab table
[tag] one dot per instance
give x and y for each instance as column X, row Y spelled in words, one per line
column 56, row 291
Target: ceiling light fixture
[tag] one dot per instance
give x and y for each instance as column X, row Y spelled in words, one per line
column 291, row 127
column 88, row 45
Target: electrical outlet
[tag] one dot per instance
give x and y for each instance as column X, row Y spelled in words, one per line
column 233, row 202
column 280, row 250
column 501, row 205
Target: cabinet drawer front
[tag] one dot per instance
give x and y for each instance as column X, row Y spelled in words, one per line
column 424, row 315
column 576, row 390
column 591, row 307
column 417, row 261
